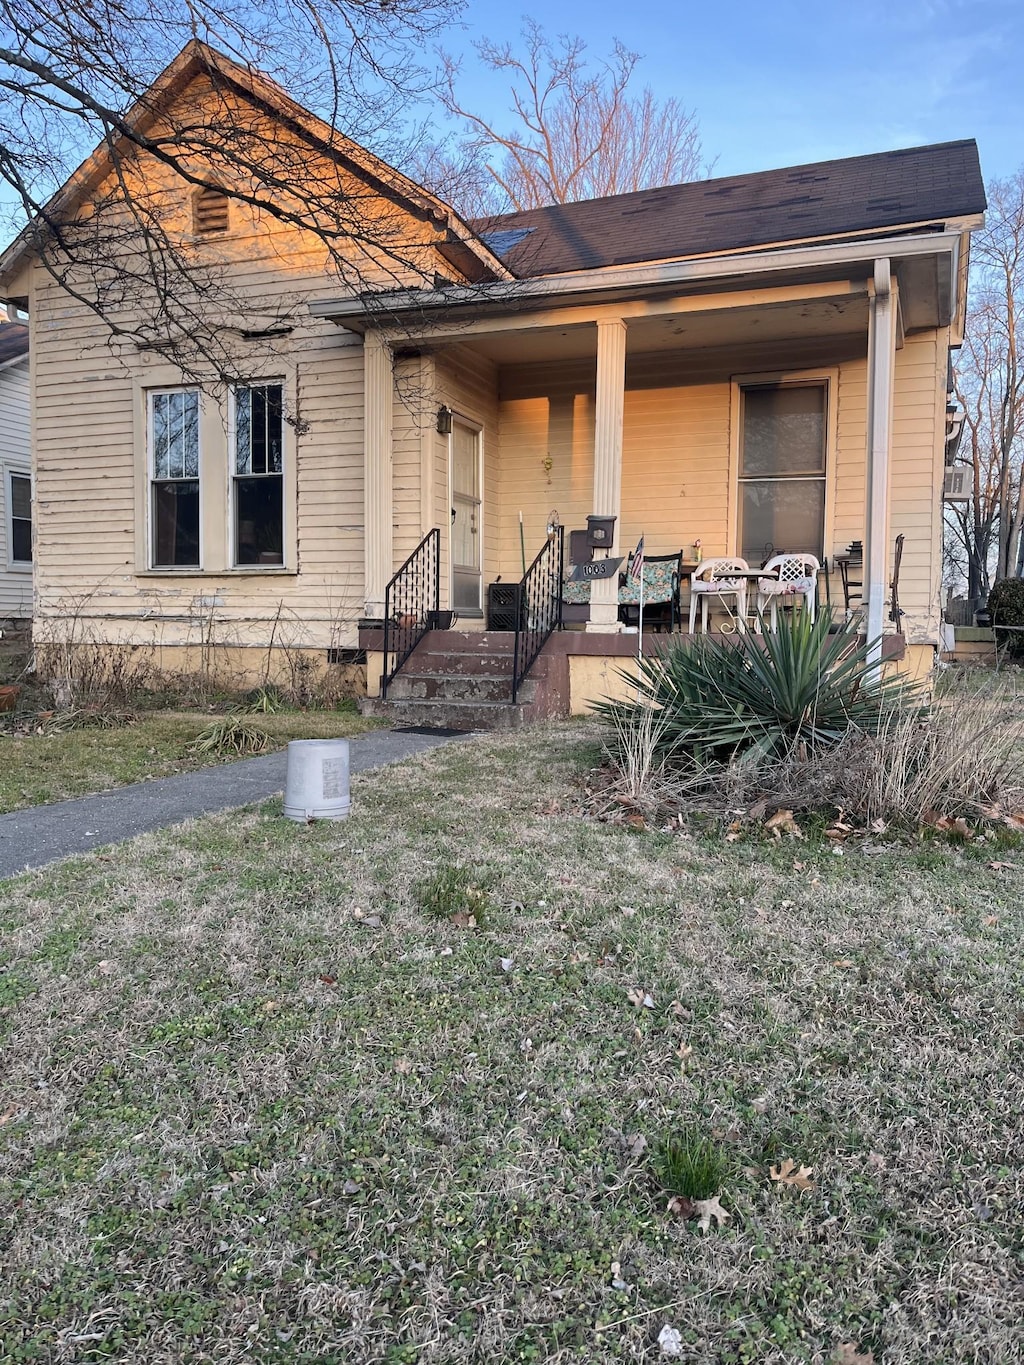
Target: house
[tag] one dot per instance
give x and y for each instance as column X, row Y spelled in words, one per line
column 752, row 362
column 15, row 474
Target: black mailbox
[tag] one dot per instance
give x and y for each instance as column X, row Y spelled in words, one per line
column 600, row 532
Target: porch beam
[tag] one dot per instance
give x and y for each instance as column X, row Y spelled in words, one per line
column 883, row 333
column 378, row 389
column 582, row 315
column 608, row 408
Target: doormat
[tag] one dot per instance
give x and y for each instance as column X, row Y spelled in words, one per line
column 441, row 731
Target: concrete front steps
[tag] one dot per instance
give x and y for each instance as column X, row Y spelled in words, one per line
column 462, row 680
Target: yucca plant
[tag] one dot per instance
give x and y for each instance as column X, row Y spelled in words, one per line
column 720, row 700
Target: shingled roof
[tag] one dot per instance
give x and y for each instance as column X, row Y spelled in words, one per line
column 824, row 199
column 13, row 342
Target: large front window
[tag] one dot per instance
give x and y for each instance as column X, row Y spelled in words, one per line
column 258, row 475
column 174, row 478
column 782, row 470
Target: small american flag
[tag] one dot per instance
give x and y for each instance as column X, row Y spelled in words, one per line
column 636, row 561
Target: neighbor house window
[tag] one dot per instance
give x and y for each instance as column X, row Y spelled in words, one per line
column 174, row 478
column 258, row 475
column 19, row 500
column 782, row 470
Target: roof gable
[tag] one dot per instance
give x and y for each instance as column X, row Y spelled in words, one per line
column 456, row 240
column 822, row 200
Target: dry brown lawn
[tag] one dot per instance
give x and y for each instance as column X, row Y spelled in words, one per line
column 262, row 1100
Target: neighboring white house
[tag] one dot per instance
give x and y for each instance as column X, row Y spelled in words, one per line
column 15, row 474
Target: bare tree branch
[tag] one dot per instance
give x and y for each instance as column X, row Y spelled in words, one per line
column 577, row 132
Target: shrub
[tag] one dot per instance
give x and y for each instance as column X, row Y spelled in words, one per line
column 1006, row 604
column 722, row 701
column 230, row 735
column 689, row 1166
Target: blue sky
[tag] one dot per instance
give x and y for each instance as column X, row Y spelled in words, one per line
column 782, row 83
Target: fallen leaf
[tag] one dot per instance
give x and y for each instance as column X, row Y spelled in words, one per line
column 990, row 921
column 685, row 1053
column 403, row 1066
column 757, row 810
column 1002, row 867
column 670, row 1342
column 680, row 1010
column 1015, row 821
column 708, row 1209
column 617, row 1281
column 640, row 998
column 760, row 1104
column 637, row 1145
column 848, row 1354
column 371, row 921
column 788, row 1173
column 734, row 832
column 782, row 822
column 329, row 980
column 876, row 1161
column 8, row 1114
column 350, row 1187
column 105, row 968
column 507, row 964
column 843, row 962
column 798, row 866
column 271, row 1006
column 681, row 1207
column 463, row 920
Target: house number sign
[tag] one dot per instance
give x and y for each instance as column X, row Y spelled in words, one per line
column 596, row 568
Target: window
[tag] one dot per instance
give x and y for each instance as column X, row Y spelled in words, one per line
column 19, row 501
column 210, row 211
column 257, row 483
column 782, row 470
column 174, row 478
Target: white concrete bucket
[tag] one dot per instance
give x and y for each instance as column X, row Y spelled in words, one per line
column 317, row 784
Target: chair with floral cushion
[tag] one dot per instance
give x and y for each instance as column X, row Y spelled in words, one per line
column 662, row 574
column 710, row 579
column 796, row 576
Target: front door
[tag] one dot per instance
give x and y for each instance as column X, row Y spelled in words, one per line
column 466, row 518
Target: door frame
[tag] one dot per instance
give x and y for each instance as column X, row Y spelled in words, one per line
column 471, row 424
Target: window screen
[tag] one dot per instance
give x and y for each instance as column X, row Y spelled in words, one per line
column 782, row 470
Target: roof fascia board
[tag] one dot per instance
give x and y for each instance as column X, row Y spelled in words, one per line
column 358, row 314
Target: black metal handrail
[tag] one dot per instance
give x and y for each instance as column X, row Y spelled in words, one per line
column 538, row 608
column 411, row 603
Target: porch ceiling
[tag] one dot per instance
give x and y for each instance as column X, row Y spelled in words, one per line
column 798, row 320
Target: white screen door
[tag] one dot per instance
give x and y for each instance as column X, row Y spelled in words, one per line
column 466, row 518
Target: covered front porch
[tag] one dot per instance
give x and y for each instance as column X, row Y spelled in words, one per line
column 789, row 410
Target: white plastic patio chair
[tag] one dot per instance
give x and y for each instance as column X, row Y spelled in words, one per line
column 710, row 579
column 797, row 577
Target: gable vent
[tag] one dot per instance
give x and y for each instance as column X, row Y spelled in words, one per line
column 210, row 211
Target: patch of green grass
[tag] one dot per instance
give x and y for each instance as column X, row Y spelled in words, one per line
column 263, row 1101
column 48, row 766
column 689, row 1165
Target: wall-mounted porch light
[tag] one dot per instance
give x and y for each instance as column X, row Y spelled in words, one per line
column 444, row 421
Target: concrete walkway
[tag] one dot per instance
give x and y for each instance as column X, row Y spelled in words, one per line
column 42, row 834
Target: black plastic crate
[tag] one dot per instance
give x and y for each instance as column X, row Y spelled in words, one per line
column 504, row 606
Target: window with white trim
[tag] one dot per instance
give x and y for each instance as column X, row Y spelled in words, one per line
column 783, row 436
column 257, row 481
column 19, row 502
column 175, row 518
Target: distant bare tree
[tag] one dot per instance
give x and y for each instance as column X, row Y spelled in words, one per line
column 577, row 132
column 77, row 75
column 989, row 379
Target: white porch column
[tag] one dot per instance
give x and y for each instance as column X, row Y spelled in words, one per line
column 378, row 394
column 883, row 304
column 611, row 385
